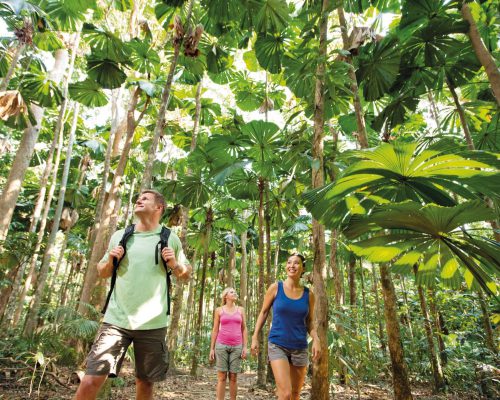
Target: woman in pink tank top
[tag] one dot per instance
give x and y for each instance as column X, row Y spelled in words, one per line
column 228, row 345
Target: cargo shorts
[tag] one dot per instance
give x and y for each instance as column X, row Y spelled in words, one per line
column 110, row 346
column 228, row 358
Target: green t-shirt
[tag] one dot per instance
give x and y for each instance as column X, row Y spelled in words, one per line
column 139, row 299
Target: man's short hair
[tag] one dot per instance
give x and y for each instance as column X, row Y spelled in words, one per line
column 159, row 199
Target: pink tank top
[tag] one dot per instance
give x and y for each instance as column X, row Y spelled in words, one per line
column 230, row 328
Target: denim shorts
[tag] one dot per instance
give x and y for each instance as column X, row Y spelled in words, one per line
column 228, row 358
column 109, row 349
column 298, row 358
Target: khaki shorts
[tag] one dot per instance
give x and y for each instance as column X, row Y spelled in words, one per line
column 110, row 346
column 228, row 358
column 298, row 358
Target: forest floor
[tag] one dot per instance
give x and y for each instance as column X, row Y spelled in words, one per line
column 183, row 386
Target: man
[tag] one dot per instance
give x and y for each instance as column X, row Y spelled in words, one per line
column 137, row 310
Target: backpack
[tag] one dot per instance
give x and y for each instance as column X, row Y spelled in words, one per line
column 129, row 231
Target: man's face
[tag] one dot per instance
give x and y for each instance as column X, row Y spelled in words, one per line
column 146, row 204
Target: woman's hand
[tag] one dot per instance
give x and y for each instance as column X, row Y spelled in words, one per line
column 316, row 350
column 254, row 349
column 212, row 355
column 244, row 353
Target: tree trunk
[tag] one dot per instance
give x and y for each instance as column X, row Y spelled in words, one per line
column 244, row 272
column 13, row 64
column 365, row 312
column 232, row 263
column 31, row 320
column 16, row 302
column 438, row 326
column 58, row 128
column 379, row 316
column 352, row 290
column 261, row 364
column 190, row 300
column 361, row 134
column 103, row 234
column 482, row 53
column 197, row 340
column 405, row 298
column 165, row 98
column 399, row 370
column 320, row 376
column 21, row 162
column 461, row 114
column 437, row 372
column 490, row 338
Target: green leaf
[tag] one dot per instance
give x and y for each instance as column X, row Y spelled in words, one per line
column 47, row 41
column 270, row 15
column 38, row 88
column 88, row 93
column 269, row 50
column 251, row 61
column 105, row 72
column 378, row 67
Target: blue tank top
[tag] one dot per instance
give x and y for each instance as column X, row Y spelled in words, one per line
column 289, row 327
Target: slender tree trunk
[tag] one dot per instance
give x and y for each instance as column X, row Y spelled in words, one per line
column 482, row 53
column 400, row 380
column 103, row 233
column 405, row 297
column 365, row 312
column 190, row 300
column 244, row 272
column 438, row 327
column 21, row 162
column 13, row 64
column 362, row 136
column 261, row 364
column 197, row 340
column 31, row 320
column 130, row 205
column 16, row 302
column 461, row 114
column 165, row 98
column 379, row 316
column 352, row 290
column 437, row 372
column 58, row 128
column 338, row 291
column 232, row 262
column 489, row 338
column 320, row 389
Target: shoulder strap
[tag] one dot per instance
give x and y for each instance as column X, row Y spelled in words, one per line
column 164, row 236
column 129, row 231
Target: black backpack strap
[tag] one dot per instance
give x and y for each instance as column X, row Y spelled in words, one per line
column 164, row 235
column 129, row 231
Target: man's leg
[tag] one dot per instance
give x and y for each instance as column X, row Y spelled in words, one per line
column 144, row 389
column 89, row 387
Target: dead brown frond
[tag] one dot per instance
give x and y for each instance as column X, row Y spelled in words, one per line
column 11, row 104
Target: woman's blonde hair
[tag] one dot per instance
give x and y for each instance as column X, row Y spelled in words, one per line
column 224, row 294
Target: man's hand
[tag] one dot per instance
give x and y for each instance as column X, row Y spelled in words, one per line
column 117, row 253
column 168, row 256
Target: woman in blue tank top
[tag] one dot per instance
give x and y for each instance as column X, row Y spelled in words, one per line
column 293, row 307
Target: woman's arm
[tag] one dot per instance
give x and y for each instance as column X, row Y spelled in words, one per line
column 261, row 319
column 311, row 328
column 244, row 332
column 215, row 332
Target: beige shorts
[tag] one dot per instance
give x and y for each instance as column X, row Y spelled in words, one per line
column 110, row 346
column 228, row 358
